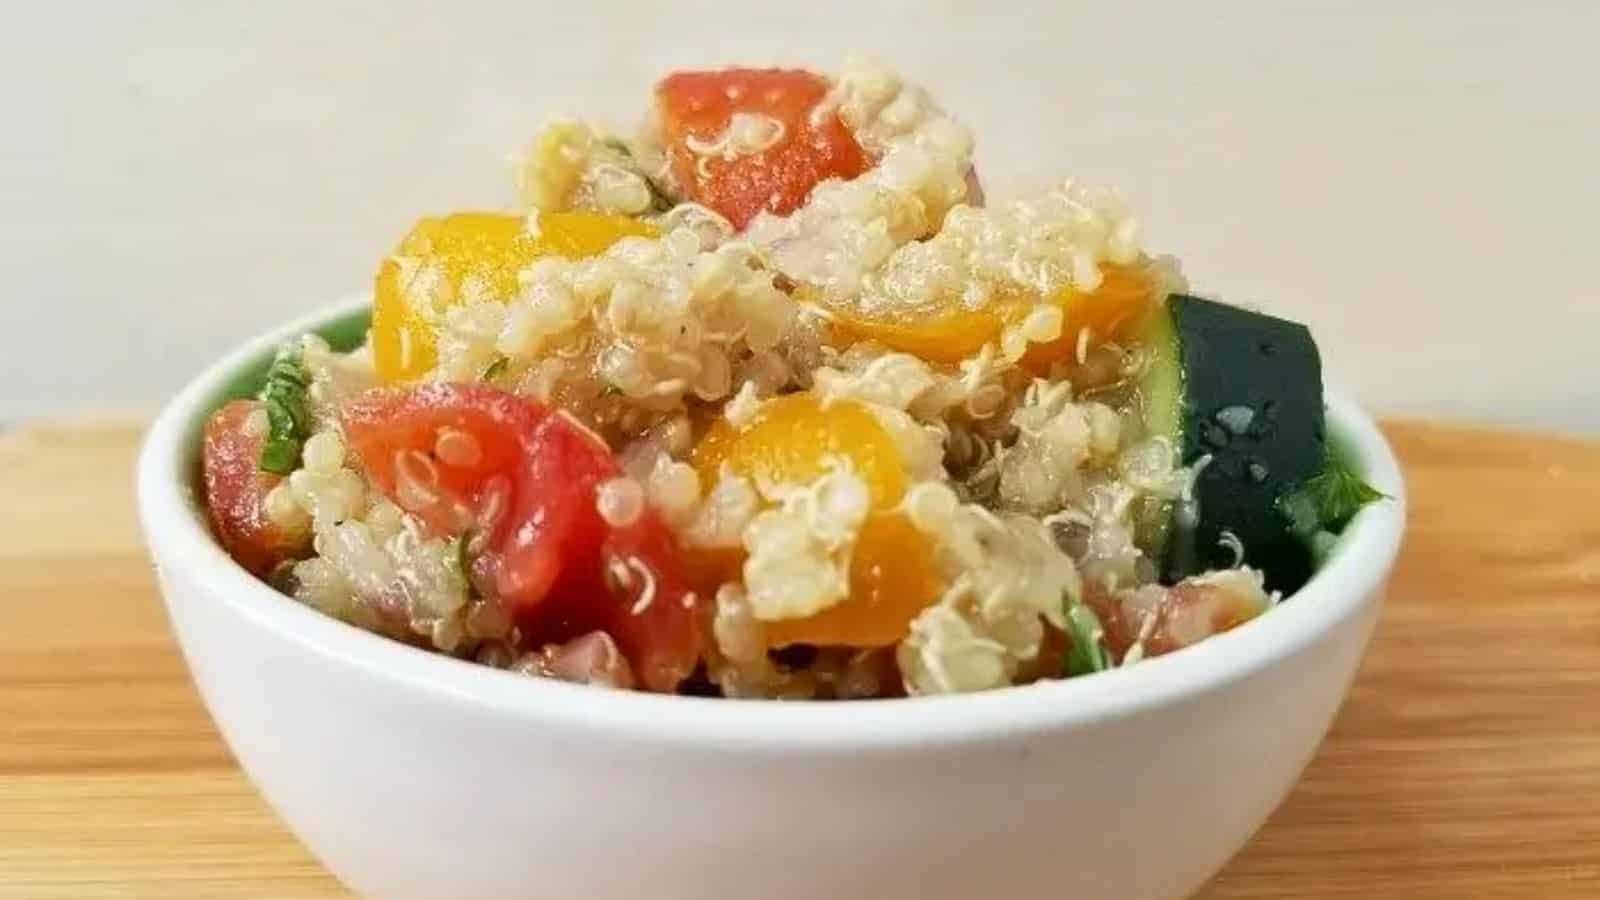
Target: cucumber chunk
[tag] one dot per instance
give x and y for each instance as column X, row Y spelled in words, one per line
column 1243, row 392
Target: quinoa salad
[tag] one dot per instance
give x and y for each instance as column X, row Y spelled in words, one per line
column 766, row 399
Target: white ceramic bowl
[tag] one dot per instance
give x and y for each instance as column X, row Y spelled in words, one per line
column 412, row 775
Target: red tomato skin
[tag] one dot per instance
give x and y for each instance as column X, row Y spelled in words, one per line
column 559, row 556
column 550, row 555
column 663, row 641
column 549, row 544
column 236, row 488
column 382, row 424
column 778, row 179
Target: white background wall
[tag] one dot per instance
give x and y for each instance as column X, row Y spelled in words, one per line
column 1418, row 181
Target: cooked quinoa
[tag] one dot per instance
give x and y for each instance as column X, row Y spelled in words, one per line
column 767, row 400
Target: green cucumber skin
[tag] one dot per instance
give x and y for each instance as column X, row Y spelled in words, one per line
column 1232, row 359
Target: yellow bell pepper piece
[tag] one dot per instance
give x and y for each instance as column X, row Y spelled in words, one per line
column 892, row 570
column 1112, row 312
column 465, row 258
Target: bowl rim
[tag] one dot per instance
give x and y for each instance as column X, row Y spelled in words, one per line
column 177, row 535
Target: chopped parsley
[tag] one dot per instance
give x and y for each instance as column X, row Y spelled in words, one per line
column 660, row 200
column 1088, row 653
column 458, row 558
column 288, row 417
column 496, row 368
column 1329, row 499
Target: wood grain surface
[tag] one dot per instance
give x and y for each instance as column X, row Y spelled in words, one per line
column 1466, row 762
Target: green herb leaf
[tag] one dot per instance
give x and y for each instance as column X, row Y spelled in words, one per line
column 288, row 416
column 495, row 369
column 660, row 200
column 459, row 559
column 1088, row 653
column 1300, row 510
column 1329, row 499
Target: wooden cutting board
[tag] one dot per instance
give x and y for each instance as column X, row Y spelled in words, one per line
column 1466, row 762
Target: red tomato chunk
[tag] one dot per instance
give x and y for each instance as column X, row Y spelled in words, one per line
column 468, row 457
column 236, row 491
column 697, row 110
